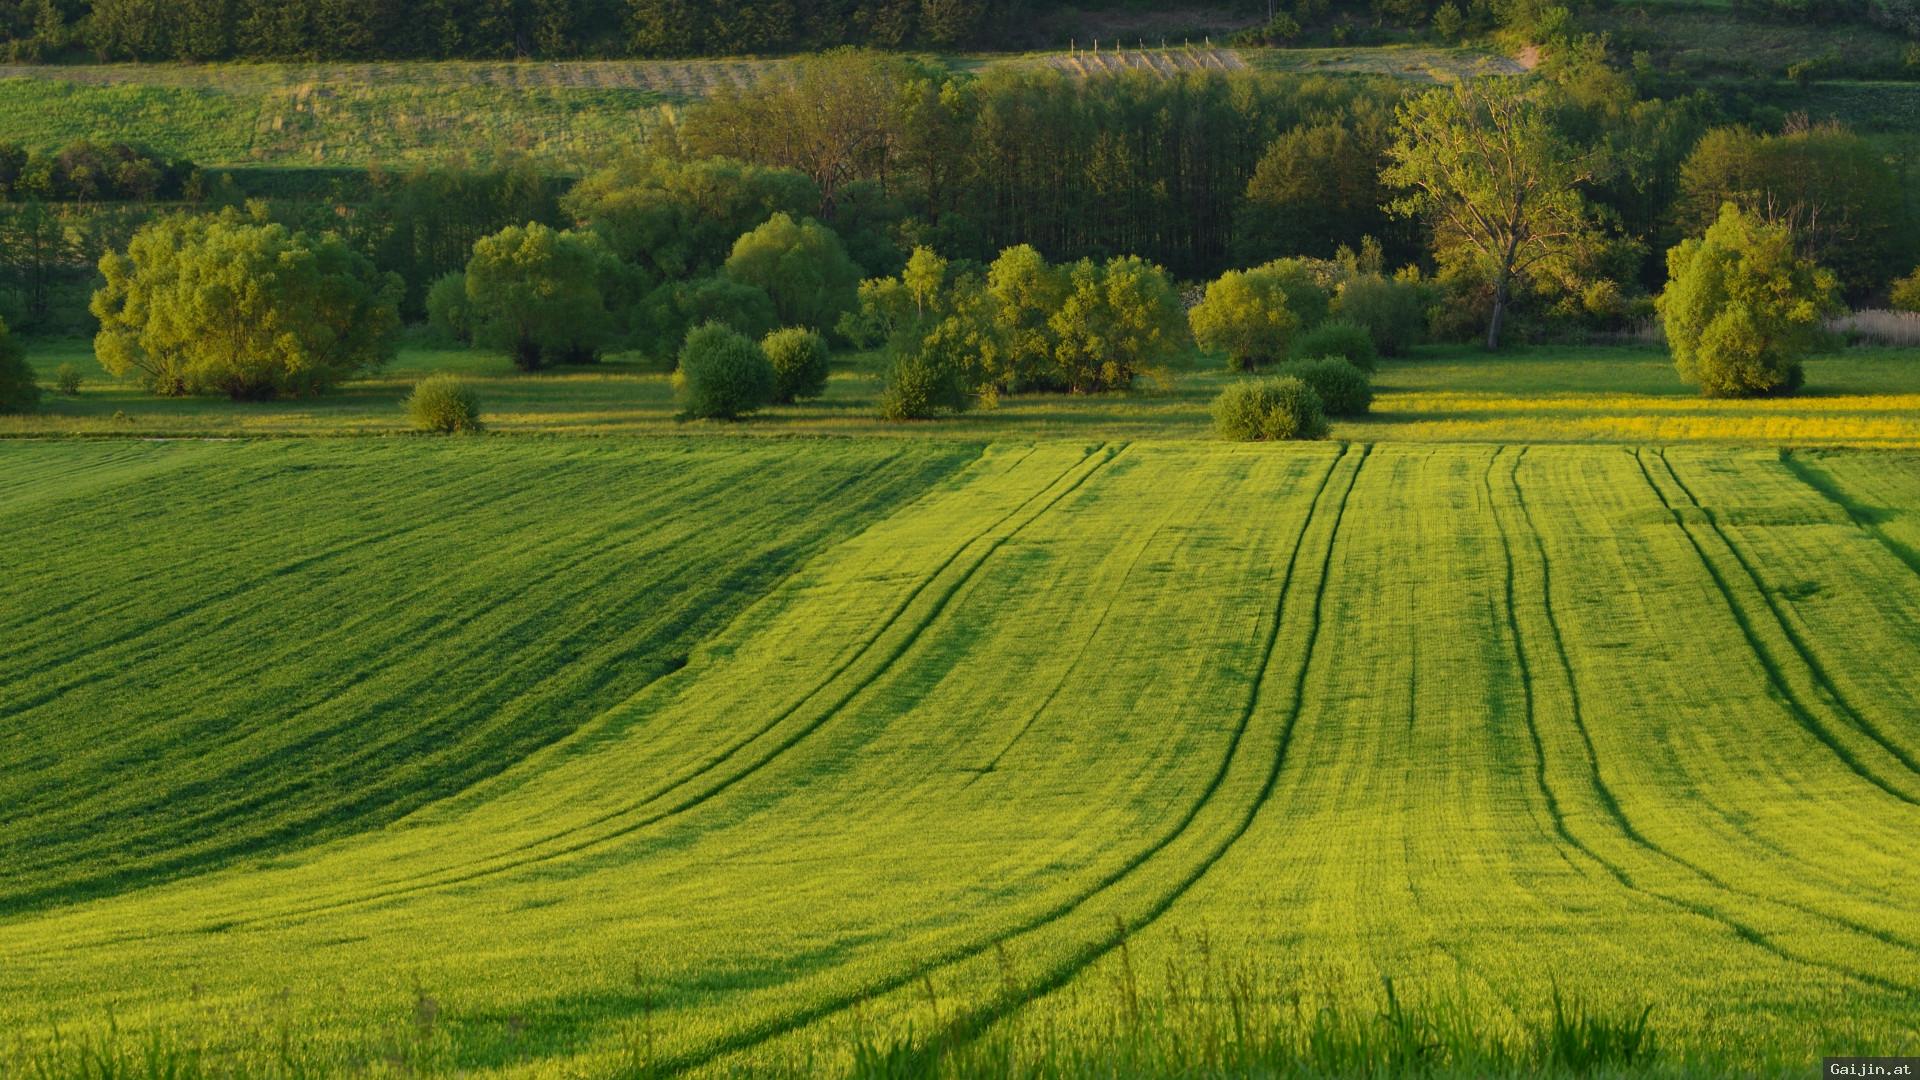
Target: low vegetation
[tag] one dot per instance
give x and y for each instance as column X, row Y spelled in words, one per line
column 444, row 404
column 1276, row 408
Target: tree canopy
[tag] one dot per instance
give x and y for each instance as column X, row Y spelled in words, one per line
column 204, row 304
column 1741, row 307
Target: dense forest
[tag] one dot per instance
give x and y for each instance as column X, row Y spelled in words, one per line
column 353, row 29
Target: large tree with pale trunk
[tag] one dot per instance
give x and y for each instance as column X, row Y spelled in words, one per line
column 1482, row 163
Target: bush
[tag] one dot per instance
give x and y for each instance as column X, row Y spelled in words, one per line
column 1906, row 293
column 723, row 375
column 1391, row 310
column 1245, row 315
column 799, row 359
column 1344, row 389
column 1269, row 409
column 18, row 391
column 66, row 378
column 1346, row 340
column 449, row 312
column 1741, row 308
column 920, row 386
column 445, row 405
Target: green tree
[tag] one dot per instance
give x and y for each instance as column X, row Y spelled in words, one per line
column 1741, row 307
column 1117, row 321
column 18, row 390
column 202, row 304
column 679, row 219
column 540, row 295
column 1244, row 314
column 1833, row 189
column 722, row 375
column 801, row 266
column 1482, row 163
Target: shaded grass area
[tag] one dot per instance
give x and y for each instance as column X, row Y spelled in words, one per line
column 297, row 641
column 1096, row 759
column 1861, row 397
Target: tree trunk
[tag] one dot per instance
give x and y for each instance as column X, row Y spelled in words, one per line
column 1499, row 313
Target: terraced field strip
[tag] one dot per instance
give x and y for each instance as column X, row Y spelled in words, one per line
column 1494, row 720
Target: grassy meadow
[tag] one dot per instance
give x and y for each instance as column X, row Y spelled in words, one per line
column 1017, row 757
column 1857, row 397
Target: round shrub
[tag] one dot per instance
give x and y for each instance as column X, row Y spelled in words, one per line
column 799, row 359
column 443, row 404
column 66, row 378
column 18, row 391
column 920, row 387
column 1346, row 340
column 1269, row 409
column 1344, row 389
column 1392, row 311
column 723, row 375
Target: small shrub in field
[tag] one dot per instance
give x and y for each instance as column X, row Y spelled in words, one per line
column 1344, row 389
column 444, row 405
column 920, row 386
column 799, row 359
column 1347, row 340
column 723, row 375
column 1392, row 311
column 1269, row 410
column 66, row 377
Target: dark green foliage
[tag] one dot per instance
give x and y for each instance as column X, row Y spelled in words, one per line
column 1393, row 311
column 664, row 317
column 1270, row 409
column 86, row 171
column 723, row 375
column 540, row 296
column 442, row 404
column 802, row 268
column 1344, row 389
column 679, row 219
column 921, row 386
column 799, row 358
column 449, row 311
column 1340, row 337
column 18, row 390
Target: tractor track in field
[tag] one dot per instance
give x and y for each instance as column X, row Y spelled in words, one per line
column 1608, row 801
column 891, row 620
column 221, row 597
column 972, row 1023
column 1086, row 643
column 1775, row 678
column 279, row 839
column 1823, row 683
column 1829, row 488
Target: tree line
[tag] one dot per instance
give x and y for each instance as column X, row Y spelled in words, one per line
column 434, row 29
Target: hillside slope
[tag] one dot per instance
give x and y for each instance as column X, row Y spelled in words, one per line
column 1629, row 724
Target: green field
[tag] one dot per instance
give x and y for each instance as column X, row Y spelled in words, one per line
column 744, row 753
column 1866, row 397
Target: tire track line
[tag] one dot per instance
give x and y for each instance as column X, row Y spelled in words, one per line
column 1829, row 488
column 1085, row 472
column 1611, row 803
column 1775, row 679
column 1822, row 681
column 764, row 1032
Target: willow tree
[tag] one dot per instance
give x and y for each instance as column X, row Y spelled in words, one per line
column 1482, row 163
